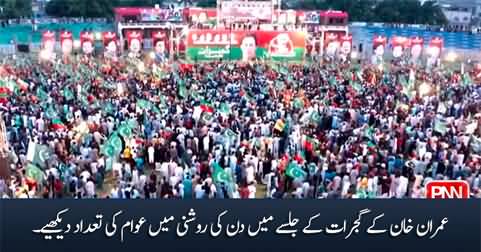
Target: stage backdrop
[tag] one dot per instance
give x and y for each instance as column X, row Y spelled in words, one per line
column 245, row 45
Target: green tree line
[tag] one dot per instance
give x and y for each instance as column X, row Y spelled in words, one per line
column 386, row 11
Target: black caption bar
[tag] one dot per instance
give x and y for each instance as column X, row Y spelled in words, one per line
column 264, row 225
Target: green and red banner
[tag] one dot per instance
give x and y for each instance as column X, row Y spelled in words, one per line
column 245, row 45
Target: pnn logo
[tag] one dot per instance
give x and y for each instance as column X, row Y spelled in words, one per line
column 447, row 189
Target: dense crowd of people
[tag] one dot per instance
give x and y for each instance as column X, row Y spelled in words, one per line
column 90, row 128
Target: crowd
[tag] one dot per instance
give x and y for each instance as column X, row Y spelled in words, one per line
column 90, row 128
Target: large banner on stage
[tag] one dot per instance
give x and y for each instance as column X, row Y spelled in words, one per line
column 48, row 41
column 245, row 45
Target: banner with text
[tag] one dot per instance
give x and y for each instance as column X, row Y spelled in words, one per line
column 245, row 45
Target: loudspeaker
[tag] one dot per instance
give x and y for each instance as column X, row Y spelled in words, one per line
column 25, row 48
column 360, row 47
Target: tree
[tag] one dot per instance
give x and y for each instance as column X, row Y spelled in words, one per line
column 92, row 8
column 16, row 8
column 207, row 4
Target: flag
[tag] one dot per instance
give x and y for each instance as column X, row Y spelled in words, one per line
column 467, row 79
column 315, row 117
column 182, row 90
column 116, row 143
column 440, row 125
column 207, row 118
column 108, row 150
column 50, row 112
column 68, row 94
column 4, row 92
column 125, row 131
column 143, row 104
column 280, row 125
column 38, row 154
column 35, row 173
column 219, row 175
column 294, row 171
column 224, row 109
column 206, row 106
column 298, row 103
column 57, row 124
column 42, row 94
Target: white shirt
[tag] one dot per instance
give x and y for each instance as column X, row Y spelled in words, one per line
column 151, row 151
column 252, row 191
column 90, row 188
column 199, row 192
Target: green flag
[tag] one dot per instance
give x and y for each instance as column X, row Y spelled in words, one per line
column 143, row 104
column 68, row 94
column 224, row 108
column 315, row 117
column 298, row 103
column 108, row 150
column 294, row 171
column 39, row 155
column 182, row 89
column 34, row 172
column 125, row 131
column 42, row 94
column 116, row 143
column 219, row 175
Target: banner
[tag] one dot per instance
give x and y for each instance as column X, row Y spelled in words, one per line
column 162, row 15
column 417, row 44
column 48, row 41
column 435, row 47
column 235, row 11
column 245, row 45
column 110, row 43
column 346, row 44
column 87, row 42
column 66, row 42
column 160, row 41
column 331, row 44
column 202, row 16
column 310, row 17
column 398, row 44
column 379, row 45
column 285, row 17
column 134, row 40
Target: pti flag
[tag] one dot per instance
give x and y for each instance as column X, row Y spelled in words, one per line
column 87, row 42
column 417, row 44
column 110, row 42
column 134, row 39
column 66, row 42
column 48, row 41
column 398, row 44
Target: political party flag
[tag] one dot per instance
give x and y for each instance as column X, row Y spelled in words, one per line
column 35, row 173
column 219, row 175
column 57, row 124
column 42, row 94
column 440, row 125
column 68, row 94
column 298, row 103
column 50, row 112
column 125, row 131
column 143, row 104
column 182, row 90
column 116, row 143
column 467, row 79
column 109, row 162
column 280, row 125
column 294, row 171
column 224, row 109
column 315, row 118
column 206, row 106
column 207, row 118
column 108, row 150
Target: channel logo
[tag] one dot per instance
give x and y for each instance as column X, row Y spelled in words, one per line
column 447, row 189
